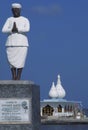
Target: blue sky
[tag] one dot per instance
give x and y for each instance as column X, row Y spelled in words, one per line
column 58, row 42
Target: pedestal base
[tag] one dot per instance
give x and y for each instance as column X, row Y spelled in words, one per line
column 19, row 105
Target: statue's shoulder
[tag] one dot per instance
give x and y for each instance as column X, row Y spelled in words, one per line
column 24, row 18
column 10, row 18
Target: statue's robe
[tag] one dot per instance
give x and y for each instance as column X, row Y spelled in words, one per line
column 16, row 43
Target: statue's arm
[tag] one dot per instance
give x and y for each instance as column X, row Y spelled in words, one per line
column 25, row 27
column 7, row 28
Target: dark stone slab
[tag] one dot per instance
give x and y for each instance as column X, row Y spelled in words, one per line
column 10, row 89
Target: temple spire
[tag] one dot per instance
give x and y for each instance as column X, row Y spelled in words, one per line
column 53, row 92
column 60, row 90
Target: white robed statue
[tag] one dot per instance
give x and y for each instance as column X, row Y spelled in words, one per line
column 17, row 41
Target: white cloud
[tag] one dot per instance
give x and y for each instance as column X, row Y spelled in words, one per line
column 47, row 10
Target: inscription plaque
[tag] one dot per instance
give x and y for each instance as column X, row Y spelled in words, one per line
column 15, row 110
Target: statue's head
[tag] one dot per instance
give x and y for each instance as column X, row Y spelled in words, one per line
column 16, row 9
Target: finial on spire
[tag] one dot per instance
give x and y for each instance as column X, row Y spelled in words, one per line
column 58, row 79
column 58, row 76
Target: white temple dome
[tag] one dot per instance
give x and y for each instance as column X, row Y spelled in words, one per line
column 60, row 90
column 53, row 92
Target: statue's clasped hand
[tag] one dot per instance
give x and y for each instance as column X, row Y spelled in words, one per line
column 14, row 29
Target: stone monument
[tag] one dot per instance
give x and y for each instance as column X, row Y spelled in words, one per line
column 19, row 100
column 19, row 105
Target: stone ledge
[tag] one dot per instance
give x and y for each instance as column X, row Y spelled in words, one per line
column 16, row 82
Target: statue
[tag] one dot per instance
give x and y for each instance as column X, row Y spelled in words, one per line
column 17, row 41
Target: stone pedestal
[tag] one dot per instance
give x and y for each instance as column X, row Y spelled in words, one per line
column 19, row 105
